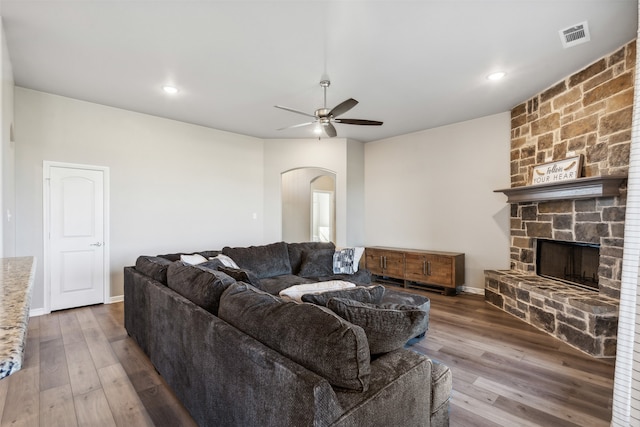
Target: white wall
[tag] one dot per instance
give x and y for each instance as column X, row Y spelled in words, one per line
column 281, row 155
column 356, row 191
column 7, row 153
column 434, row 190
column 174, row 186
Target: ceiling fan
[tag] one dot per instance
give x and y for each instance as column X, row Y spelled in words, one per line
column 324, row 118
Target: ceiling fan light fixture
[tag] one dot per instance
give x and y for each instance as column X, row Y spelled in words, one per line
column 325, row 117
column 171, row 90
column 498, row 75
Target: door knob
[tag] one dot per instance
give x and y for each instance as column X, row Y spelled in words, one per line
column 96, row 244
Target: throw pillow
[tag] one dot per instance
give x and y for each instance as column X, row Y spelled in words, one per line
column 388, row 327
column 193, row 259
column 317, row 263
column 212, row 264
column 310, row 335
column 225, row 260
column 368, row 294
column 240, row 275
column 346, row 260
column 296, row 252
column 266, row 260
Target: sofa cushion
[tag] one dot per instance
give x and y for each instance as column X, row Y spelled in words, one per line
column 154, row 267
column 266, row 261
column 388, row 327
column 368, row 294
column 316, row 263
column 310, row 335
column 200, row 285
column 296, row 252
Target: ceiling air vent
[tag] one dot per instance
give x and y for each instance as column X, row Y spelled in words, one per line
column 575, row 35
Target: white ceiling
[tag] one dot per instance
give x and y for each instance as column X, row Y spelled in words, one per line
column 412, row 64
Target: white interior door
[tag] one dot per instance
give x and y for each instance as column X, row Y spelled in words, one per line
column 76, row 254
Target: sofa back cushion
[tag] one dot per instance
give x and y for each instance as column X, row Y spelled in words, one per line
column 201, row 285
column 265, row 261
column 154, row 267
column 297, row 252
column 310, row 335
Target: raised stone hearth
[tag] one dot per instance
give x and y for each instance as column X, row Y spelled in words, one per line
column 581, row 318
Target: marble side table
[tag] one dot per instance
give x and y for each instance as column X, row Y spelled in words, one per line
column 16, row 281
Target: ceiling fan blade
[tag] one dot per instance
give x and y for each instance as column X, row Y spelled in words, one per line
column 297, row 126
column 294, row 111
column 358, row 122
column 330, row 130
column 343, row 107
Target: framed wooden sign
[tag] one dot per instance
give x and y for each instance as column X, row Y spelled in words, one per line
column 560, row 170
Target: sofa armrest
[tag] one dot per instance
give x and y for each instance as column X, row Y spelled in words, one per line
column 441, row 385
column 400, row 393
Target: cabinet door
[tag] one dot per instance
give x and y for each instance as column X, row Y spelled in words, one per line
column 374, row 261
column 393, row 264
column 416, row 267
column 385, row 263
column 440, row 270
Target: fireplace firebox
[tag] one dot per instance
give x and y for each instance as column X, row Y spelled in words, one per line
column 571, row 262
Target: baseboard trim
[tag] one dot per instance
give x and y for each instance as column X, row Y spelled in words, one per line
column 37, row 312
column 472, row 290
column 117, row 298
column 41, row 311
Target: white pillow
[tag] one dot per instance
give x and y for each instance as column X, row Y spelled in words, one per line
column 226, row 261
column 295, row 292
column 193, row 259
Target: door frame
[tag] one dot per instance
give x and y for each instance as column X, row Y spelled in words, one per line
column 46, row 226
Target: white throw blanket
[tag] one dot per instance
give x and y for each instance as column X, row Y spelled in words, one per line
column 294, row 293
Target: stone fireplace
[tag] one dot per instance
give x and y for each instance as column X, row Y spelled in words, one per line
column 587, row 114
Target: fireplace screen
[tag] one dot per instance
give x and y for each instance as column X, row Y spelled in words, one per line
column 575, row 263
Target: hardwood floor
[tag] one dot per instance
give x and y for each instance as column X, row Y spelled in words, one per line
column 81, row 369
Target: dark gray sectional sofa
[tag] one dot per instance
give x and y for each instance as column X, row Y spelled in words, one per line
column 236, row 354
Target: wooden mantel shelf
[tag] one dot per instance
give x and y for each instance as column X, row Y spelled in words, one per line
column 581, row 188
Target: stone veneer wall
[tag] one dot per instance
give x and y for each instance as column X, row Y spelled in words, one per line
column 589, row 114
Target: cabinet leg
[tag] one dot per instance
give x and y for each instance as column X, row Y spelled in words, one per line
column 450, row 292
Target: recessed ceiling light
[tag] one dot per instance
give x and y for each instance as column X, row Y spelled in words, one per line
column 496, row 76
column 170, row 89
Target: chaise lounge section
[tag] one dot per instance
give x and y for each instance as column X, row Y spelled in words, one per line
column 237, row 355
